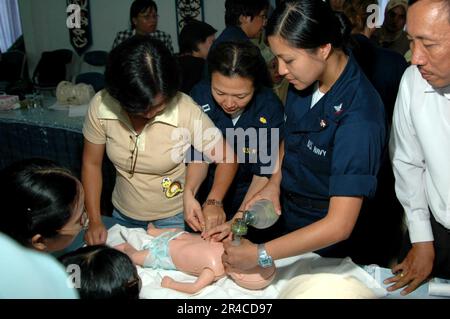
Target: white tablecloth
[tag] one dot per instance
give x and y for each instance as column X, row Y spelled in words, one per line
column 225, row 288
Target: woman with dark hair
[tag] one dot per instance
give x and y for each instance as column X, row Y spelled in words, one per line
column 105, row 273
column 334, row 137
column 383, row 67
column 247, row 112
column 145, row 126
column 195, row 40
column 144, row 21
column 44, row 205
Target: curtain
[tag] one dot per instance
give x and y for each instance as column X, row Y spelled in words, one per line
column 10, row 27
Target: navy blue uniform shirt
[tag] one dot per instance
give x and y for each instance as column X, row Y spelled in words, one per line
column 383, row 67
column 334, row 148
column 233, row 34
column 256, row 152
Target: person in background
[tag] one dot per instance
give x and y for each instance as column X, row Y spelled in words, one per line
column 105, row 273
column 248, row 114
column 420, row 148
column 280, row 85
column 43, row 205
column 244, row 20
column 195, row 39
column 334, row 137
column 144, row 21
column 145, row 126
column 384, row 69
column 392, row 35
column 29, row 274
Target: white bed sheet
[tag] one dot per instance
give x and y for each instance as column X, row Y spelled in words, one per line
column 225, row 288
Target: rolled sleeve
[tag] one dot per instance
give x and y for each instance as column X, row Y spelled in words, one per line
column 353, row 185
column 356, row 159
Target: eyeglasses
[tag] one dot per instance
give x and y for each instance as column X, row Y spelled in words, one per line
column 149, row 16
column 83, row 223
column 134, row 149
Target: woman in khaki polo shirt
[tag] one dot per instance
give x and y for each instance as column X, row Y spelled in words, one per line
column 145, row 127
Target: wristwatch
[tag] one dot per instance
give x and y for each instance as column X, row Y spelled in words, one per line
column 264, row 260
column 213, row 202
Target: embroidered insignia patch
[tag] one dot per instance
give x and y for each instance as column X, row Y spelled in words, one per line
column 338, row 108
column 171, row 189
column 206, row 108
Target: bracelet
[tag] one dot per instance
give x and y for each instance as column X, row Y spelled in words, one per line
column 213, row 202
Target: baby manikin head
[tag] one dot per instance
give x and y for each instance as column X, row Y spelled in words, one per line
column 325, row 286
column 255, row 278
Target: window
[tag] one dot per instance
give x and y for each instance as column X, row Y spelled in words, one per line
column 10, row 27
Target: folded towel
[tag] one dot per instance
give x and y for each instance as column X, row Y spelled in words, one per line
column 439, row 287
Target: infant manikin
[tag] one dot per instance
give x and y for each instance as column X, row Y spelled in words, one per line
column 176, row 249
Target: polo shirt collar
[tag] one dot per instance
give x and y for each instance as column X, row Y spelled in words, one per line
column 110, row 109
column 343, row 90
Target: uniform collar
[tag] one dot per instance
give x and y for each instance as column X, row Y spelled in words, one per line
column 238, row 30
column 249, row 111
column 110, row 109
column 333, row 104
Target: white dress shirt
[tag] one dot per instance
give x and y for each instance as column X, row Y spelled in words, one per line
column 420, row 153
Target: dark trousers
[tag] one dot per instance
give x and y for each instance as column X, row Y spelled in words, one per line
column 441, row 267
column 299, row 211
column 375, row 238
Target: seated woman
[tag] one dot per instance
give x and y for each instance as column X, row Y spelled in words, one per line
column 176, row 249
column 144, row 21
column 248, row 114
column 43, row 205
column 105, row 273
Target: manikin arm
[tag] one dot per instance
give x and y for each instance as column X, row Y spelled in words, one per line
column 205, row 278
column 136, row 256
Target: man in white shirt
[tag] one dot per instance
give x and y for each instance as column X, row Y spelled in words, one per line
column 420, row 146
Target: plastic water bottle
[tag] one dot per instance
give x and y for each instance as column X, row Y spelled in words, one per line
column 261, row 215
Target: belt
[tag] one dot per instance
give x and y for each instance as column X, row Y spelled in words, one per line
column 307, row 202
